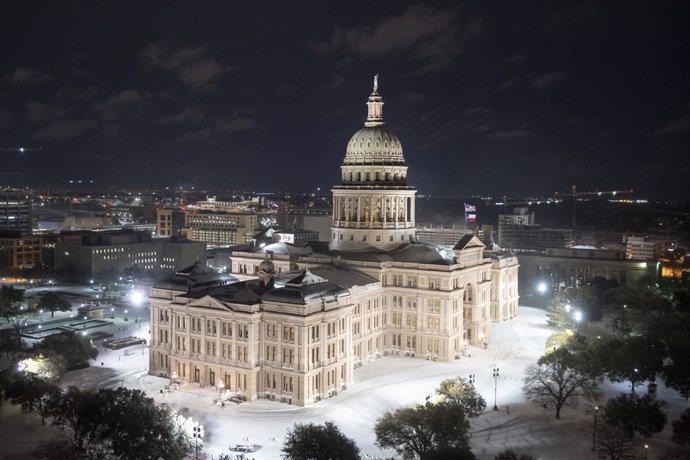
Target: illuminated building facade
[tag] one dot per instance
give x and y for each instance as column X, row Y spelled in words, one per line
column 220, row 228
column 301, row 320
column 15, row 211
column 110, row 252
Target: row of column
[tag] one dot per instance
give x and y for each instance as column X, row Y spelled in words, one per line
column 388, row 209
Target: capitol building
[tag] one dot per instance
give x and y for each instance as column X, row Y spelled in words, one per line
column 291, row 323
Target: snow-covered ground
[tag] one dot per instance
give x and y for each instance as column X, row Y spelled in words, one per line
column 384, row 384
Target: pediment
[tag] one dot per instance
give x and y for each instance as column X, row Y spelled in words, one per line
column 468, row 242
column 208, row 302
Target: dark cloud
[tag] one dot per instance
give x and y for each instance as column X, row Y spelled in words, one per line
column 514, row 59
column 511, row 133
column 6, row 118
column 188, row 116
column 79, row 65
column 236, row 124
column 545, row 80
column 193, row 65
column 433, row 36
column 60, row 130
column 38, row 113
column 406, row 98
column 202, row 135
column 76, row 94
column 509, row 83
column 477, row 111
column 115, row 105
column 28, row 77
column 682, row 124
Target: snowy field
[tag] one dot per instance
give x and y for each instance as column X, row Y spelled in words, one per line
column 384, row 384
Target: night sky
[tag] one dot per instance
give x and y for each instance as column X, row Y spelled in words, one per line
column 504, row 97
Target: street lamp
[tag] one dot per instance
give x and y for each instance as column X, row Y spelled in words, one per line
column 594, row 432
column 198, row 434
column 496, row 375
column 41, row 315
column 577, row 316
column 646, row 448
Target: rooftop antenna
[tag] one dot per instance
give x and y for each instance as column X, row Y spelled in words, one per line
column 376, row 82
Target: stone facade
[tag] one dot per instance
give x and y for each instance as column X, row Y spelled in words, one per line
column 300, row 321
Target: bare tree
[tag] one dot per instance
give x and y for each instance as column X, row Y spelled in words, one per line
column 559, row 379
column 614, row 443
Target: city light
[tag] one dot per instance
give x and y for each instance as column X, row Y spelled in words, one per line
column 577, row 316
column 541, row 287
column 136, row 297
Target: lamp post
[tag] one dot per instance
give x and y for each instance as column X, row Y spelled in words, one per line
column 198, row 434
column 496, row 375
column 594, row 431
column 646, row 448
column 41, row 315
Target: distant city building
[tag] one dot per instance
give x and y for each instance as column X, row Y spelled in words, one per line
column 220, row 228
column 301, row 320
column 519, row 232
column 96, row 253
column 18, row 252
column 642, row 248
column 569, row 267
column 169, row 221
column 444, row 236
column 15, row 211
column 315, row 219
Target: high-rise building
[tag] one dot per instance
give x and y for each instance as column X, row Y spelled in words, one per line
column 220, row 228
column 169, row 221
column 519, row 232
column 15, row 211
column 304, row 317
column 642, row 248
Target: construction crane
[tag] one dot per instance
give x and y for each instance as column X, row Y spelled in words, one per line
column 529, row 202
column 575, row 194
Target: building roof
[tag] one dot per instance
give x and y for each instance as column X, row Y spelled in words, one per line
column 468, row 241
column 196, row 277
column 421, row 253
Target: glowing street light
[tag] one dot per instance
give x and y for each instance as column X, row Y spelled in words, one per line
column 541, row 287
column 496, row 376
column 594, row 432
column 198, row 434
column 577, row 316
column 136, row 297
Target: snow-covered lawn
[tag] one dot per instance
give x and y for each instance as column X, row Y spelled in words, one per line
column 387, row 384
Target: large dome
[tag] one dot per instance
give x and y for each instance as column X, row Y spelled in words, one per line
column 374, row 145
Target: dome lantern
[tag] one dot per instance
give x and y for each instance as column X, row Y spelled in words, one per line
column 375, row 106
